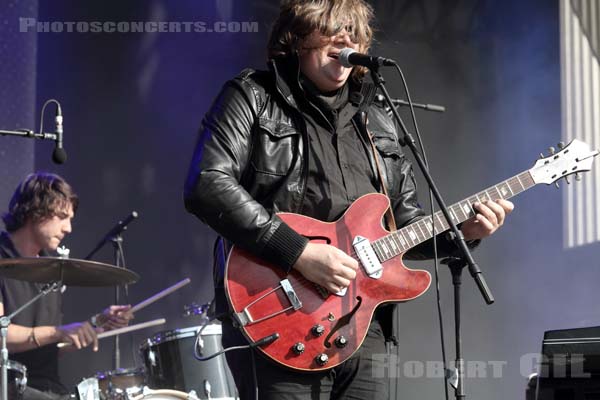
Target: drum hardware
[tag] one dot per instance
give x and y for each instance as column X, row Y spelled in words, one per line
column 70, row 272
column 203, row 310
column 122, row 384
column 17, row 380
column 54, row 272
column 4, row 324
column 115, row 236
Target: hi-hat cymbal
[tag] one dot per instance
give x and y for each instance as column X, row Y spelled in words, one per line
column 69, row 271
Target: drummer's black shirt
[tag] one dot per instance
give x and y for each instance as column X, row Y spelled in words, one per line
column 41, row 363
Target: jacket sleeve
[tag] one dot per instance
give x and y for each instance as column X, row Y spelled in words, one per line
column 213, row 191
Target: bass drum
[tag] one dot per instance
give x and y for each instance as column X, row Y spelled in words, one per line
column 164, row 394
column 170, row 363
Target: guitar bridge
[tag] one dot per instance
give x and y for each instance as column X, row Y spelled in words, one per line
column 244, row 317
column 368, row 258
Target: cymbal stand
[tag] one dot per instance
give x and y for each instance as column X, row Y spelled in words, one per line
column 4, row 324
column 115, row 237
column 117, row 241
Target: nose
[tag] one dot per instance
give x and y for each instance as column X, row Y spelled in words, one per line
column 67, row 226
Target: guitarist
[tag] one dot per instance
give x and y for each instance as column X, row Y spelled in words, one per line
column 294, row 139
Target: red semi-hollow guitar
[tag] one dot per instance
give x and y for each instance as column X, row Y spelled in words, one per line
column 301, row 325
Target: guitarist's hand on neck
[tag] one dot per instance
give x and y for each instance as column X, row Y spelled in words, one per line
column 490, row 216
column 326, row 266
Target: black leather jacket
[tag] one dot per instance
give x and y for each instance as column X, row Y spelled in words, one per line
column 251, row 162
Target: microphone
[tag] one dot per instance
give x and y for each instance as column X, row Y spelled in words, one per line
column 59, row 155
column 349, row 57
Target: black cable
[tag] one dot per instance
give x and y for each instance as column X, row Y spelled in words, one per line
column 43, row 110
column 254, row 378
column 258, row 343
column 435, row 252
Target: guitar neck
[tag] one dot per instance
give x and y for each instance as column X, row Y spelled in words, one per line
column 418, row 232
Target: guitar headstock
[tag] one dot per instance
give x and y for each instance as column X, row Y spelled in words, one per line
column 571, row 159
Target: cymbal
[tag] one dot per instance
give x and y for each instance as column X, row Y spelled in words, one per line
column 70, row 271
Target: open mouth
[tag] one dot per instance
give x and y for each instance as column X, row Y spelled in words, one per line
column 335, row 56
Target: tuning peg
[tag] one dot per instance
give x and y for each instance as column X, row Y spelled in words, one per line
column 542, row 155
column 561, row 145
column 551, row 150
column 567, row 180
column 577, row 177
column 556, row 184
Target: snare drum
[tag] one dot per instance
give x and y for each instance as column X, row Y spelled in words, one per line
column 17, row 380
column 170, row 363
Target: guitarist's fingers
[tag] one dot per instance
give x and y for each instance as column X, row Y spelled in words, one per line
column 488, row 226
column 508, row 206
column 491, row 211
column 346, row 260
column 339, row 283
column 347, row 272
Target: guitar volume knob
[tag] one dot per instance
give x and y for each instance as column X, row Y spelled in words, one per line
column 318, row 330
column 322, row 359
column 298, row 348
column 341, row 342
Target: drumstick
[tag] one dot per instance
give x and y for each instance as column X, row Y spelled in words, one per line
column 126, row 329
column 159, row 295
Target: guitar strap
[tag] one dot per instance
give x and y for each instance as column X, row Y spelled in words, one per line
column 389, row 215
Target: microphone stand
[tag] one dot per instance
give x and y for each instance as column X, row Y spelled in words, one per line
column 457, row 380
column 406, row 139
column 5, row 323
column 28, row 133
column 115, row 237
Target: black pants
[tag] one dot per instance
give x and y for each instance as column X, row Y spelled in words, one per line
column 353, row 379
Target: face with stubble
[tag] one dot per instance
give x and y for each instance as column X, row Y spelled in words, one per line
column 49, row 232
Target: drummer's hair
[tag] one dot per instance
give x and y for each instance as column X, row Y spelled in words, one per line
column 40, row 196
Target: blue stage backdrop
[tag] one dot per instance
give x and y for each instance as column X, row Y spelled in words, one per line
column 18, row 53
column 133, row 103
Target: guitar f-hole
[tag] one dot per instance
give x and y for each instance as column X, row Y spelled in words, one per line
column 343, row 321
column 319, row 239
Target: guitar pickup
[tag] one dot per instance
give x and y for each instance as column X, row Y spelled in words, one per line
column 368, row 258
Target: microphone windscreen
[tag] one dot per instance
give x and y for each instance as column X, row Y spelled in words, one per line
column 59, row 156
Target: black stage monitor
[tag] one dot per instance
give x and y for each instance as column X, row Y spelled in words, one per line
column 570, row 366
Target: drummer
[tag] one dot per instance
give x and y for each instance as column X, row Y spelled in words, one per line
column 38, row 218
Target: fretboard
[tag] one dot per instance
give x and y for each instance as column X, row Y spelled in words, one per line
column 410, row 236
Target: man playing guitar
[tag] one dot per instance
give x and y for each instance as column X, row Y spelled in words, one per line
column 304, row 137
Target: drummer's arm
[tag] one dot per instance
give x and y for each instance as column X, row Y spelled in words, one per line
column 22, row 338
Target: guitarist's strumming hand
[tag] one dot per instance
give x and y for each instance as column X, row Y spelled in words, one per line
column 326, row 266
column 490, row 216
